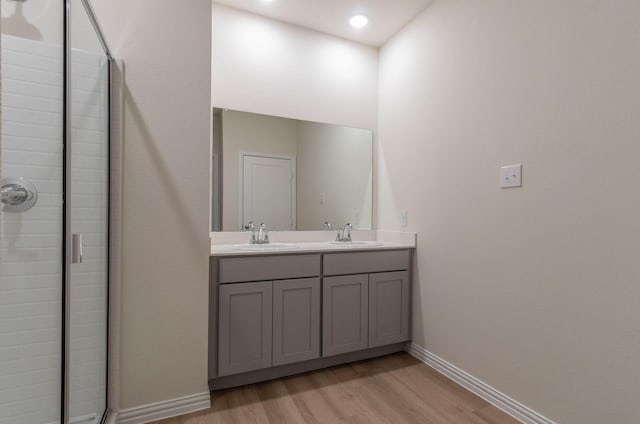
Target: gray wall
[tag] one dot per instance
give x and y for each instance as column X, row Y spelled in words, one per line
column 316, row 77
column 167, row 119
column 533, row 290
column 334, row 163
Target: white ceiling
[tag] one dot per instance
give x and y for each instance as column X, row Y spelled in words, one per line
column 386, row 17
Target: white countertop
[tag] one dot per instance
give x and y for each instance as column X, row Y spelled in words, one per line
column 288, row 242
column 289, row 248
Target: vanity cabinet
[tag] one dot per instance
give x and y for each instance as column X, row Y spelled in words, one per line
column 365, row 310
column 276, row 315
column 267, row 323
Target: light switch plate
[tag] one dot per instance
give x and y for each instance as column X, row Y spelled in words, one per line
column 511, row 176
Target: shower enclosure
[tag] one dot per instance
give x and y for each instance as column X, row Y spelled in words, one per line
column 54, row 216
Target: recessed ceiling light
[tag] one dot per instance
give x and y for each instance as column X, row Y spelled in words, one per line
column 358, row 21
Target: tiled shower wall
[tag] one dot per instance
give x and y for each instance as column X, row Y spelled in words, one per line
column 30, row 242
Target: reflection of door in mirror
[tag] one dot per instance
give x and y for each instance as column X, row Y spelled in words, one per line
column 268, row 191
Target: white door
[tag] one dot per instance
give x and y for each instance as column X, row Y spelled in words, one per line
column 268, row 191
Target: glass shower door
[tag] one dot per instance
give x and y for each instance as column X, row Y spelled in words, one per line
column 31, row 212
column 54, row 180
column 88, row 113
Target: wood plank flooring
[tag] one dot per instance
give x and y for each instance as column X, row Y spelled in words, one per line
column 394, row 389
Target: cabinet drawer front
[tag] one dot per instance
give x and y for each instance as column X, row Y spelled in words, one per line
column 365, row 262
column 235, row 270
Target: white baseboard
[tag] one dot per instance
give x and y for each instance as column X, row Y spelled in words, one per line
column 166, row 409
column 480, row 388
column 113, row 418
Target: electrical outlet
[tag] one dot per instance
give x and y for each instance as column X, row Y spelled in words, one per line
column 404, row 218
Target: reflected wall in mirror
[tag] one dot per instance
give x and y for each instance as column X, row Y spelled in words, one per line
column 290, row 174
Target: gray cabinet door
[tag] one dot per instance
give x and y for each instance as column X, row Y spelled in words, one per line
column 296, row 320
column 388, row 308
column 344, row 314
column 244, row 337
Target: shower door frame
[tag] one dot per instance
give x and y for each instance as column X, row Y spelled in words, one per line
column 67, row 202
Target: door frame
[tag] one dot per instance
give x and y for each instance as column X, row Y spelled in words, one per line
column 215, row 216
column 294, row 189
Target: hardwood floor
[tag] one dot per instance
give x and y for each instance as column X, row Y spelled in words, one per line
column 393, row 389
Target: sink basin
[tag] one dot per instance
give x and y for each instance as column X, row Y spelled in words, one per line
column 266, row 247
column 356, row 243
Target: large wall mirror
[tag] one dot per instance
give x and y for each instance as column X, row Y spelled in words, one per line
column 289, row 174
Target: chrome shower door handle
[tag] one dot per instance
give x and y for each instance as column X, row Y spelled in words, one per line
column 13, row 194
column 76, row 248
column 17, row 194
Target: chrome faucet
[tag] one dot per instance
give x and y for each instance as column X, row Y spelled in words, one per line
column 327, row 226
column 345, row 233
column 262, row 237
